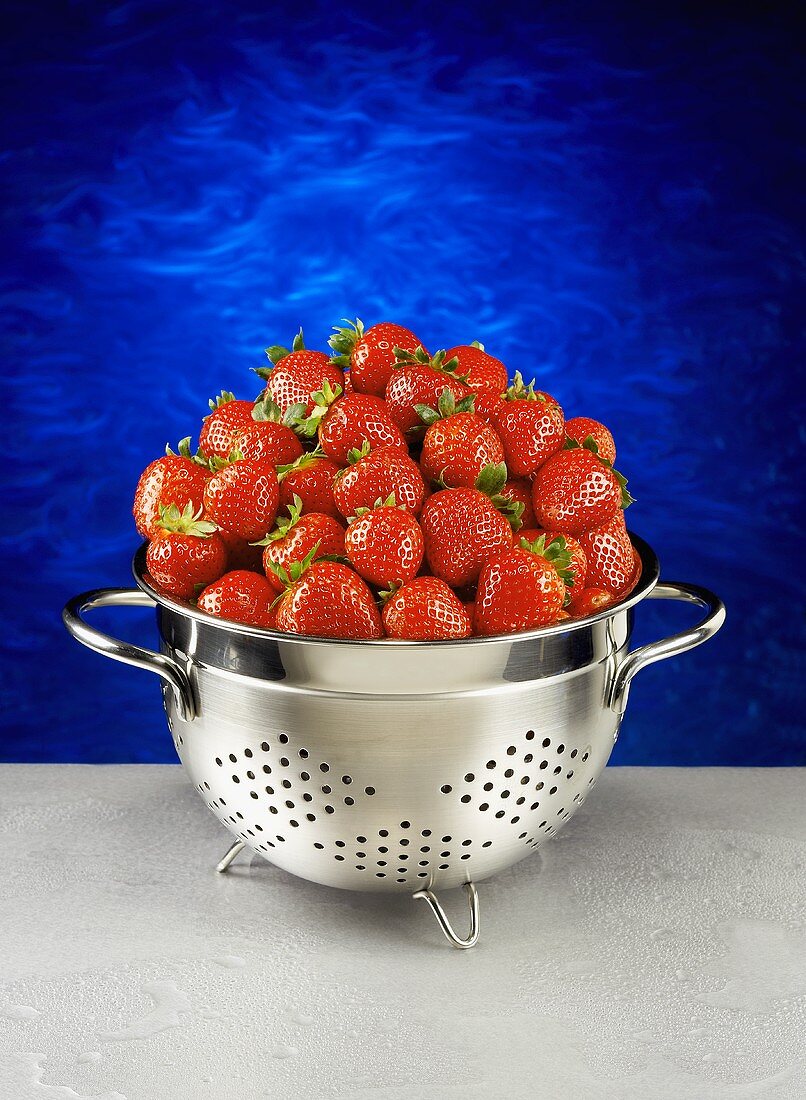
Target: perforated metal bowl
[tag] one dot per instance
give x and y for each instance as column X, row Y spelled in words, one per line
column 388, row 765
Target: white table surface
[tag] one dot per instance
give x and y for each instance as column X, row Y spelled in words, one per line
column 655, row 949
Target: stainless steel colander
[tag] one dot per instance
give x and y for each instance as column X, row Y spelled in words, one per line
column 403, row 766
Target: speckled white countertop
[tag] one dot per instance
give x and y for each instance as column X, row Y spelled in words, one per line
column 655, row 949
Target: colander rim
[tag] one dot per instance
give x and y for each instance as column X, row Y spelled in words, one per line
column 650, row 573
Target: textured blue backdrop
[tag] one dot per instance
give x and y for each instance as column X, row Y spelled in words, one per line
column 606, row 197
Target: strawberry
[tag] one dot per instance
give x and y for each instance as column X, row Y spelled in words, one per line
column 419, row 380
column 588, row 601
column 520, row 589
column 478, row 369
column 384, row 544
column 227, row 420
column 297, row 375
column 488, row 405
column 579, row 428
column 241, row 596
column 610, row 555
column 531, row 427
column 345, row 423
column 374, row 475
column 294, row 537
column 243, row 498
column 241, row 554
column 187, row 552
column 519, row 490
column 310, row 478
column 463, row 527
column 370, row 353
column 576, row 490
column 267, row 437
column 325, row 599
column 172, row 479
column 426, row 610
column 457, row 445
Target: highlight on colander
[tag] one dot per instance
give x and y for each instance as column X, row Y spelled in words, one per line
column 395, row 590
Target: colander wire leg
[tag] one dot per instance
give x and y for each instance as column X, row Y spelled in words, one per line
column 444, row 923
column 232, row 853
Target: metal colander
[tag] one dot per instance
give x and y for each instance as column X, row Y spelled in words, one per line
column 388, row 765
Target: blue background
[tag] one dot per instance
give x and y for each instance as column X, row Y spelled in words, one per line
column 607, row 197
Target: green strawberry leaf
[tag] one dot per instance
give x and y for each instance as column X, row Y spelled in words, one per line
column 344, row 340
column 556, row 554
column 356, row 454
column 223, row 398
column 265, row 409
column 283, row 524
column 477, row 344
column 276, row 352
column 492, row 479
column 186, row 522
column 298, row 342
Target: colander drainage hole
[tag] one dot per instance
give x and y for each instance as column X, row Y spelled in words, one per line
column 487, row 844
column 247, row 752
column 233, row 758
column 283, row 738
column 219, row 761
column 573, row 753
column 530, row 735
column 446, row 788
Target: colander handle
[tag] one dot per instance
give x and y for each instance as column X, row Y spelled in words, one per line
column 675, row 643
column 165, row 667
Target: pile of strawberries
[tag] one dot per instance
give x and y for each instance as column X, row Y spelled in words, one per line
column 382, row 491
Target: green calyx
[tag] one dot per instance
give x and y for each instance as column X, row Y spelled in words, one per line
column 386, row 594
column 308, row 425
column 356, row 454
column 216, row 463
column 295, row 569
column 266, row 410
column 420, row 357
column 223, row 398
column 590, row 444
column 520, row 391
column 284, row 524
column 186, row 522
column 301, row 463
column 183, row 450
column 477, row 344
column 277, row 352
column 343, row 340
column 390, row 502
column 556, row 554
column 491, row 481
column 447, row 405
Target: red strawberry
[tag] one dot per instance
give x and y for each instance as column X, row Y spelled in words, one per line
column 375, row 475
column 267, row 437
column 488, row 405
column 384, row 544
column 479, row 370
column 576, row 490
column 241, row 596
column 462, row 528
column 426, row 610
column 297, row 375
column 227, row 420
column 419, row 380
column 519, row 589
column 327, row 600
column 610, row 555
column 172, row 479
column 311, row 479
column 531, row 427
column 294, row 537
column 579, row 428
column 243, row 498
column 241, row 554
column 588, row 601
column 344, row 424
column 457, row 444
column 578, row 565
column 519, row 490
column 370, row 353
column 186, row 553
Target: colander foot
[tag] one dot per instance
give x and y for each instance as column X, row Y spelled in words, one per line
column 444, row 923
column 233, row 853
